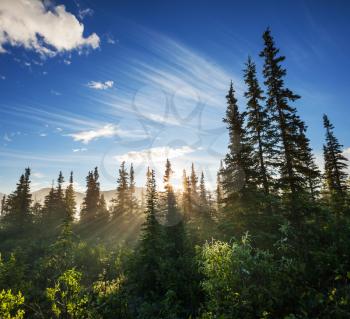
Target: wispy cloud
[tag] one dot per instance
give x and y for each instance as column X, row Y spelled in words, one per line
column 38, row 175
column 100, row 85
column 7, row 138
column 48, row 31
column 107, row 131
column 53, row 92
column 76, row 150
column 85, row 13
column 2, row 77
column 155, row 154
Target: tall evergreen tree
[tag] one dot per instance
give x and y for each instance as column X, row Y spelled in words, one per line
column 335, row 166
column 203, row 195
column 3, row 204
column 18, row 204
column 60, row 211
column 258, row 126
column 148, row 257
column 92, row 197
column 194, row 188
column 238, row 175
column 49, row 206
column 102, row 210
column 122, row 202
column 289, row 157
column 219, row 190
column 132, row 190
column 186, row 195
column 70, row 202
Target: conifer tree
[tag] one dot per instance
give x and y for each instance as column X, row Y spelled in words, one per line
column 132, row 190
column 148, row 258
column 219, row 190
column 3, row 204
column 335, row 165
column 122, row 201
column 102, row 210
column 194, row 187
column 289, row 156
column 238, row 175
column 308, row 166
column 49, row 206
column 172, row 215
column 175, row 249
column 92, row 197
column 70, row 202
column 18, row 204
column 203, row 196
column 60, row 211
column 257, row 126
column 186, row 195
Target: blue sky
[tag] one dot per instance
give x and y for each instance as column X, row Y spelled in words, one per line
column 86, row 83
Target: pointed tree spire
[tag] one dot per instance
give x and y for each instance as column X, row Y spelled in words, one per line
column 70, row 199
column 335, row 165
column 257, row 125
column 285, row 134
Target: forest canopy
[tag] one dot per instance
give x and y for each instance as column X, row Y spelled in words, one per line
column 271, row 241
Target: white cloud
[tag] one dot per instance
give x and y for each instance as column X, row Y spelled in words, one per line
column 7, row 138
column 108, row 130
column 85, row 12
column 76, row 150
column 155, row 154
column 59, row 129
column 67, row 62
column 110, row 39
column 34, row 26
column 55, row 93
column 100, row 85
column 43, row 134
column 38, row 175
column 2, row 77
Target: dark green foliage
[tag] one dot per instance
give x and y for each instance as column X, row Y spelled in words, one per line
column 17, row 208
column 70, row 200
column 293, row 260
column 258, row 128
column 122, row 202
column 287, row 132
column 335, row 165
column 91, row 201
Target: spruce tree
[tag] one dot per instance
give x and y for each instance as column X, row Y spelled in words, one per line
column 132, row 190
column 59, row 200
column 258, row 126
column 203, row 195
column 122, row 201
column 92, row 197
column 176, row 262
column 148, row 257
column 335, row 166
column 70, row 202
column 219, row 190
column 238, row 175
column 186, row 196
column 3, row 205
column 194, row 188
column 102, row 210
column 18, row 204
column 289, row 157
column 49, row 207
